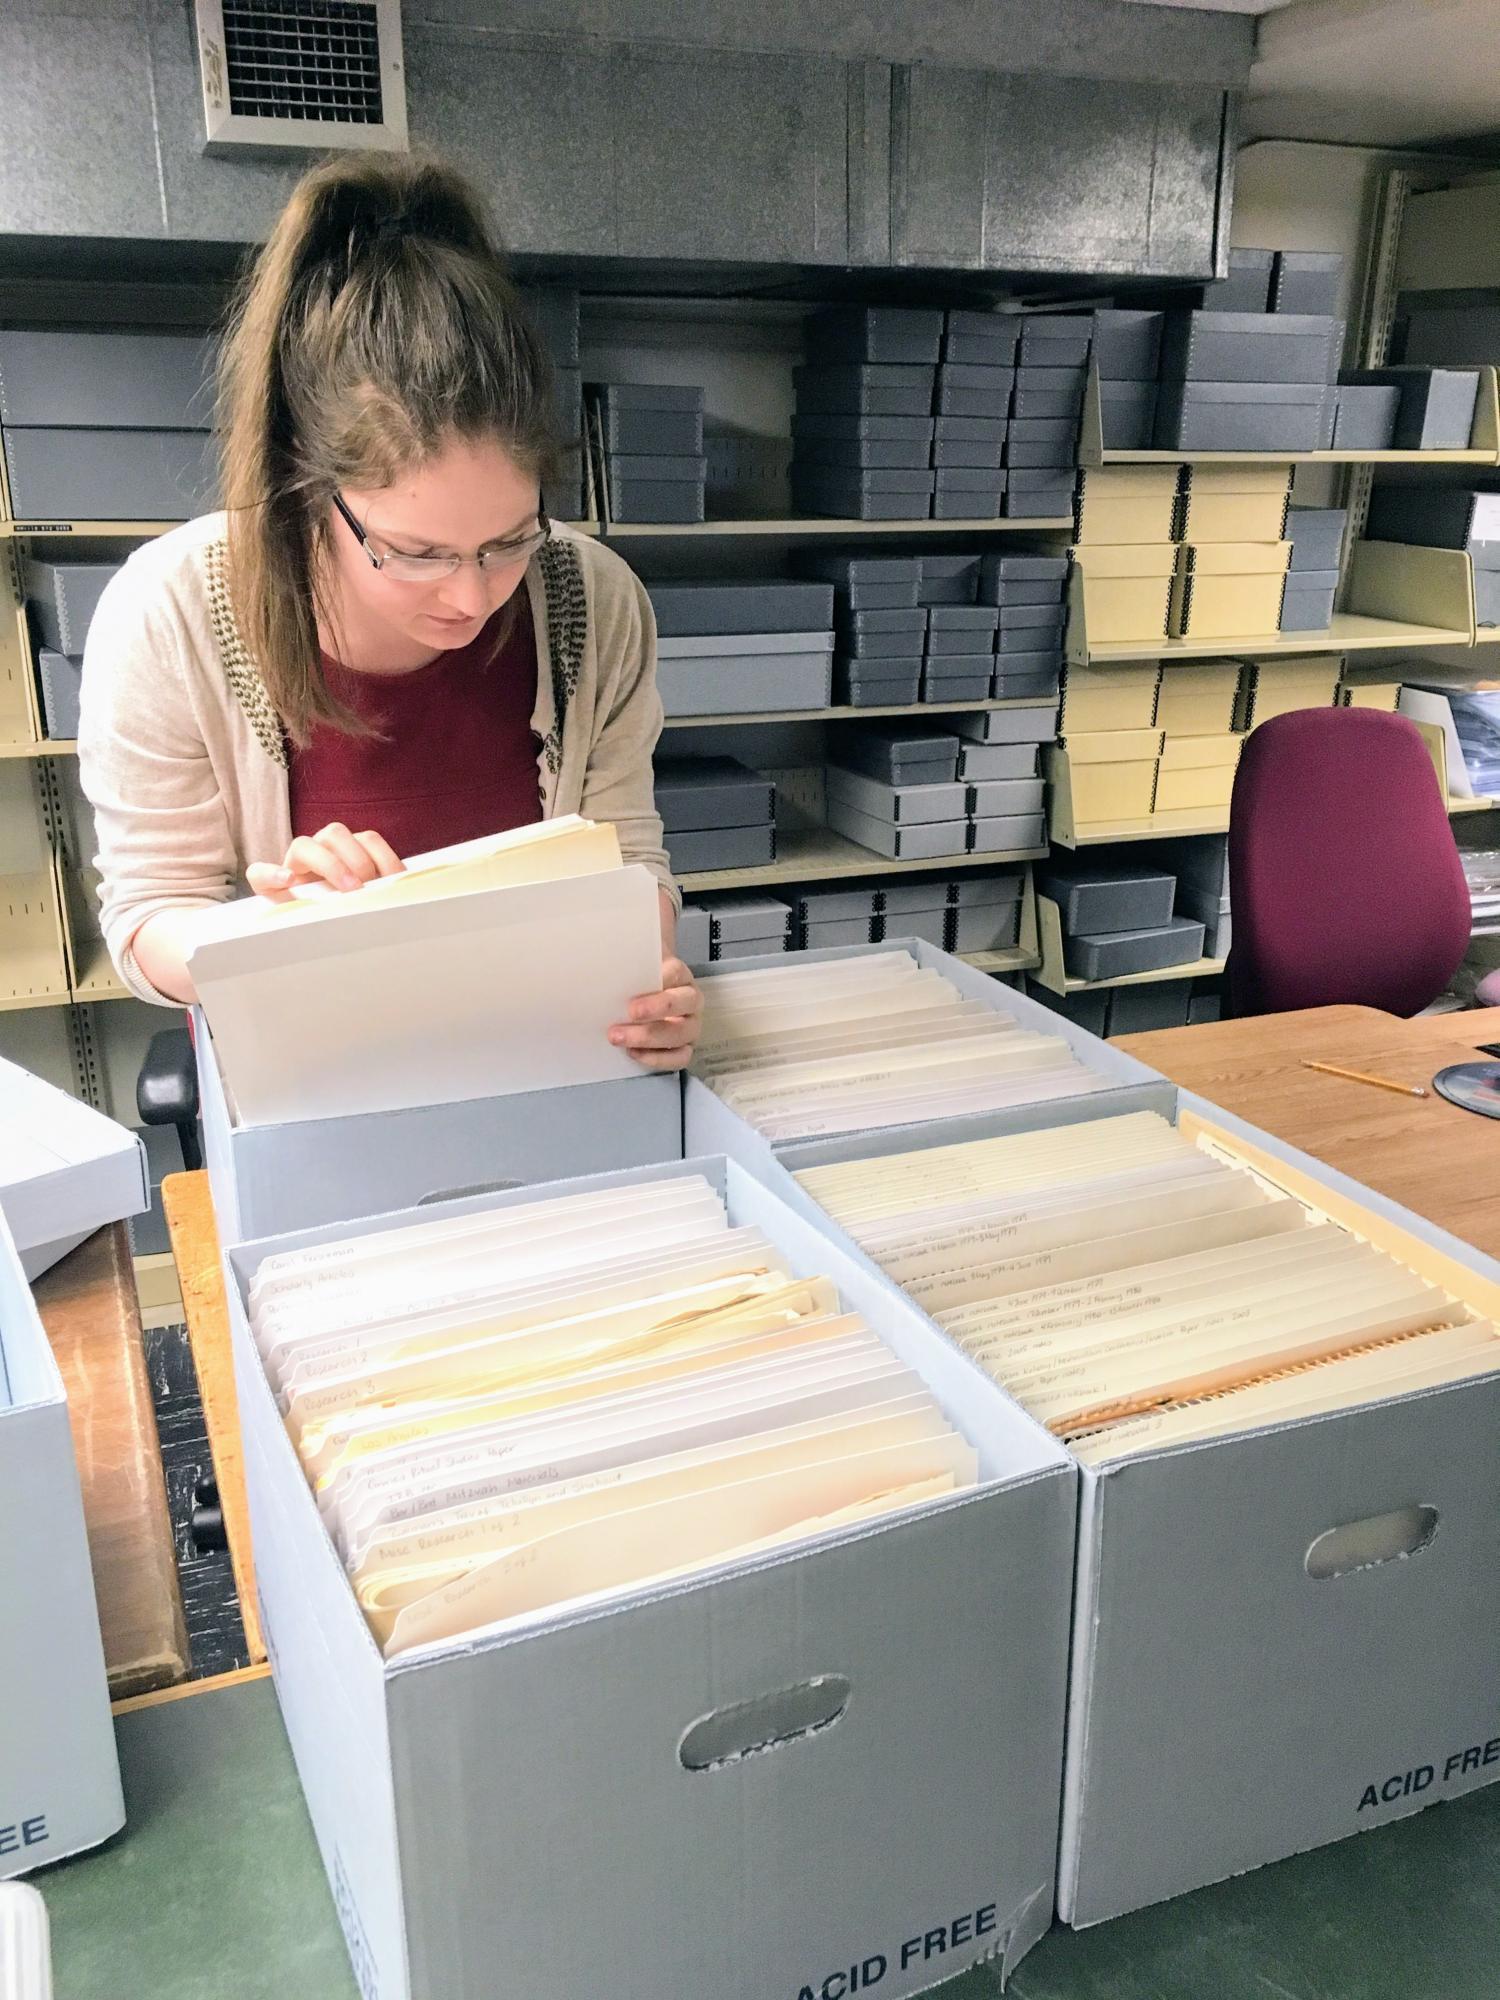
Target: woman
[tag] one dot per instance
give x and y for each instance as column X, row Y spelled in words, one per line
column 383, row 646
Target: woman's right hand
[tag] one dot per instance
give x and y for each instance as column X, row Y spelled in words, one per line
column 342, row 859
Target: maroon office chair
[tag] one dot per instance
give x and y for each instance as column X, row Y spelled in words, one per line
column 1344, row 880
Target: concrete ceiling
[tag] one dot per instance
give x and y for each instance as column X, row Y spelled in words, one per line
column 1377, row 72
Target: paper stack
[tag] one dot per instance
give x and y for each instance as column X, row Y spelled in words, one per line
column 516, row 1408
column 844, row 1045
column 1133, row 1290
column 493, row 967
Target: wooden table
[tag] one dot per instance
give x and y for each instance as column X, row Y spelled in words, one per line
column 195, row 1245
column 1437, row 1160
column 88, row 1306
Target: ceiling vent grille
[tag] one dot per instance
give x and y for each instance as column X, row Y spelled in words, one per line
column 296, row 75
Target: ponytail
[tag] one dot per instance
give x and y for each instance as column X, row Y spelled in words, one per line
column 376, row 323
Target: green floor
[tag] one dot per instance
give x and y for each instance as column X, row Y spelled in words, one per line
column 216, row 1890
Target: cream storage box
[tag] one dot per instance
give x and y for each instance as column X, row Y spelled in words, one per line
column 1234, row 503
column 1113, row 697
column 1196, row 773
column 1198, row 699
column 1123, row 591
column 1224, row 589
column 65, row 1169
column 1285, row 1635
column 1105, row 775
column 1126, row 503
column 525, row 1811
column 59, row 1777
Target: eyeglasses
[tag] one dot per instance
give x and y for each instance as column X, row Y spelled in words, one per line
column 405, row 568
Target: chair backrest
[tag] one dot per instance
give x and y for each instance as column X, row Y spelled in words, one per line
column 1344, row 878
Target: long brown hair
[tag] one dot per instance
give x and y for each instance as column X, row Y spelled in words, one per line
column 376, row 322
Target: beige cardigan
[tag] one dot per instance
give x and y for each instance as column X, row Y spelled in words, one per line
column 183, row 759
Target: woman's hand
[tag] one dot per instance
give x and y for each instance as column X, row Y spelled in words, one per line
column 342, row 859
column 663, row 1027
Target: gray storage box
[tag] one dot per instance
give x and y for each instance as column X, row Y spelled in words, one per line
column 926, row 840
column 661, row 500
column 267, row 1178
column 1246, row 288
column 1026, row 639
column 1056, row 354
column 721, row 681
column 655, row 466
column 751, row 947
column 1127, row 344
column 981, row 337
column 969, row 430
column 1486, row 591
column 1035, row 723
column 743, row 918
column 1178, row 941
column 901, row 900
column 1210, row 911
column 970, row 454
column 1240, row 416
column 648, row 396
column 1306, row 281
column 1364, row 417
column 1038, row 442
column 972, row 389
column 554, row 308
column 1141, row 1010
column 949, row 686
column 869, row 650
column 1051, row 500
column 1012, row 833
column 1205, row 1003
column 1003, row 576
column 880, row 596
column 1042, row 682
column 983, row 891
column 967, row 503
column 697, row 794
column 107, row 381
column 63, row 598
column 868, row 496
column 1307, row 601
column 855, row 455
column 960, row 628
column 1095, row 900
column 1247, row 347
column 996, row 798
column 902, row 805
column 114, row 475
column 876, row 390
column 908, row 625
column 852, row 572
column 897, row 754
column 1015, row 595
column 985, row 761
column 829, row 934
column 1434, row 517
column 858, row 684
column 874, row 333
column 930, row 925
column 837, row 906
column 844, row 428
column 727, row 847
column 60, row 680
column 1073, row 330
column 721, row 608
column 949, row 579
column 1316, row 535
column 992, row 927
column 1038, row 618
column 1127, row 412
column 646, row 430
column 694, row 935
column 1047, row 402
column 1437, row 404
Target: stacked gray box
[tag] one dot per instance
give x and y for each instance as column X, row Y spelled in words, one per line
column 60, row 682
column 867, row 676
column 985, row 912
column 1449, row 518
column 1056, row 340
column 1240, row 416
column 694, row 934
column 1034, row 723
column 1245, row 288
column 897, row 754
column 917, row 910
column 859, row 334
column 825, row 919
column 981, row 339
column 715, row 813
column 1094, row 901
column 1117, row 954
column 1040, row 493
column 973, row 389
column 554, row 309
column 1030, row 591
column 981, row 763
column 868, row 389
column 948, row 579
column 740, row 647
column 900, row 780
column 1364, row 417
column 1036, row 444
column 1436, row 411
column 1306, row 281
column 1048, row 394
column 865, row 583
column 62, row 599
column 654, row 466
column 1247, row 381
column 108, row 426
column 1317, row 538
column 747, row 926
column 862, row 428
column 960, row 652
column 967, row 492
column 1127, row 344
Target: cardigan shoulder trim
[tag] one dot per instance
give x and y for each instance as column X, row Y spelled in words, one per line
column 567, row 632
column 239, row 669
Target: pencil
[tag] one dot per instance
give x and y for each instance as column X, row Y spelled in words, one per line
column 1362, row 1076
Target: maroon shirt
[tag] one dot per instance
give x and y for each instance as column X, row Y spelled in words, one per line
column 455, row 757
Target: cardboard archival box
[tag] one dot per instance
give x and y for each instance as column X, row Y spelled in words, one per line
column 1198, row 700
column 1117, row 697
column 59, row 1777
column 1225, row 588
column 1232, row 1703
column 1126, row 589
column 1111, row 774
column 65, row 1169
column 528, row 1810
column 1197, row 772
column 710, row 1127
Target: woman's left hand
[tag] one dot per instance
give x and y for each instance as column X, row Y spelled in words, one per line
column 663, row 1027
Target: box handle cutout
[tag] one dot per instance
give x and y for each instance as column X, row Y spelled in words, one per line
column 463, row 1193
column 1379, row 1538
column 729, row 1735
